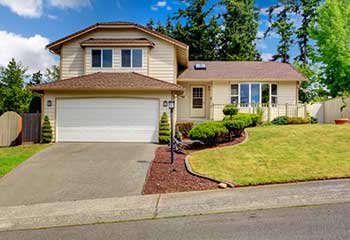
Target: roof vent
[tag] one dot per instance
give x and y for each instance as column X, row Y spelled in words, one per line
column 200, row 66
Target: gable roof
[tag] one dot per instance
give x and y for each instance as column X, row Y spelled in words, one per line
column 181, row 48
column 237, row 70
column 109, row 81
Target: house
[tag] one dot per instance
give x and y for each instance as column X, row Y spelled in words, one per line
column 116, row 78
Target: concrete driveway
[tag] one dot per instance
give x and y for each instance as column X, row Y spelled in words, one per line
column 77, row 171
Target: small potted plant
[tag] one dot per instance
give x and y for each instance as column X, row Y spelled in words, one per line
column 343, row 119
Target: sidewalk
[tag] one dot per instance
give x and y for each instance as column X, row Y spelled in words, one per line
column 173, row 205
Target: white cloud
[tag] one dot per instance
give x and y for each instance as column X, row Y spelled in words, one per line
column 69, row 3
column 29, row 51
column 27, row 8
column 52, row 17
column 119, row 4
column 266, row 56
column 160, row 4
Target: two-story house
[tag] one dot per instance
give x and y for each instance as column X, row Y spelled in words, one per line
column 117, row 77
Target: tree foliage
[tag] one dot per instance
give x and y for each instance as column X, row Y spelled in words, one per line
column 332, row 35
column 13, row 94
column 46, row 132
column 240, row 28
column 52, row 74
column 164, row 130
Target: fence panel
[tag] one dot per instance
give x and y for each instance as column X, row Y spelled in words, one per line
column 332, row 110
column 10, row 129
column 31, row 128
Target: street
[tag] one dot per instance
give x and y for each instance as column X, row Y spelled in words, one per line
column 317, row 222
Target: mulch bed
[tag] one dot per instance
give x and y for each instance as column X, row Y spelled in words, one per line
column 162, row 177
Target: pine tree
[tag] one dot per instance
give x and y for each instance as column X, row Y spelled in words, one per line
column 213, row 35
column 240, row 27
column 37, row 78
column 150, row 24
column 160, row 28
column 13, row 95
column 164, row 130
column 195, row 27
column 46, row 132
column 283, row 26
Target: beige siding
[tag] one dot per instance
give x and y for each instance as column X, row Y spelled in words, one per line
column 51, row 95
column 287, row 92
column 160, row 58
column 117, row 63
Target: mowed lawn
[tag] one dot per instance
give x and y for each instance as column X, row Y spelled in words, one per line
column 277, row 154
column 11, row 157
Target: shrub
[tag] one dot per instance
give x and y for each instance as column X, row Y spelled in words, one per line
column 313, row 120
column 237, row 124
column 208, row 132
column 164, row 130
column 184, row 128
column 230, row 110
column 46, row 131
column 298, row 120
column 281, row 120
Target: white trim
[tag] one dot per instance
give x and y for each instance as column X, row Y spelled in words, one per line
column 131, row 58
column 101, row 49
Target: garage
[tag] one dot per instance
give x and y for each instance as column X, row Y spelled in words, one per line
column 107, row 120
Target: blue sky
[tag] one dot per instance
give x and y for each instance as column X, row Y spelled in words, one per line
column 26, row 26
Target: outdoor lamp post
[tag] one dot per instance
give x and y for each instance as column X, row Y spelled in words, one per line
column 171, row 105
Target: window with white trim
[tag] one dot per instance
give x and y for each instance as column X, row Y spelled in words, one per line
column 131, row 58
column 253, row 94
column 101, row 58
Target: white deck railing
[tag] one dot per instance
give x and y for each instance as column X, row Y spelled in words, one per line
column 270, row 111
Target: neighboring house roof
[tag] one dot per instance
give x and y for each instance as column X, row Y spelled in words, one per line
column 109, row 81
column 182, row 49
column 237, row 70
column 117, row 42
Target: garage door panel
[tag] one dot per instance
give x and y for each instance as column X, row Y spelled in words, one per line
column 107, row 120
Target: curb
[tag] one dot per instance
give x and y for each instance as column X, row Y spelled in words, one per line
column 191, row 171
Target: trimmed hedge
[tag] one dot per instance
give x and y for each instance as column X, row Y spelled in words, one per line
column 237, row 124
column 46, row 131
column 281, row 120
column 284, row 120
column 298, row 120
column 164, row 130
column 184, row 128
column 230, row 110
column 208, row 132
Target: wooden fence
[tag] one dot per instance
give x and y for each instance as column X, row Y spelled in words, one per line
column 10, row 129
column 31, row 128
column 269, row 111
column 328, row 111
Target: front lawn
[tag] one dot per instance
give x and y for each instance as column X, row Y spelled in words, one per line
column 11, row 157
column 276, row 154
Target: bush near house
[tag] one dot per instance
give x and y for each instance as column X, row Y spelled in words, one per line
column 284, row 120
column 164, row 130
column 230, row 110
column 208, row 132
column 184, row 128
column 46, row 132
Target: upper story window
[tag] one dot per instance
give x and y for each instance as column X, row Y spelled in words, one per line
column 252, row 94
column 132, row 58
column 102, row 58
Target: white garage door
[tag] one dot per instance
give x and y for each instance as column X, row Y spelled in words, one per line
column 107, row 120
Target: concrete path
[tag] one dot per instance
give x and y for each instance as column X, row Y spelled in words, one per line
column 78, row 171
column 309, row 223
column 173, row 205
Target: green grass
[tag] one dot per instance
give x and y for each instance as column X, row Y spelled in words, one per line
column 11, row 157
column 277, row 154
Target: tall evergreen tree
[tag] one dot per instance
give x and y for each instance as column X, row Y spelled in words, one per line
column 195, row 16
column 283, row 26
column 160, row 28
column 307, row 11
column 13, row 95
column 240, row 27
column 150, row 24
column 213, row 34
column 37, row 78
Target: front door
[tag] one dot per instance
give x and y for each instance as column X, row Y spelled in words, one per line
column 197, row 101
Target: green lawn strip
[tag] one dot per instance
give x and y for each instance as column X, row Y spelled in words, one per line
column 277, row 154
column 11, row 157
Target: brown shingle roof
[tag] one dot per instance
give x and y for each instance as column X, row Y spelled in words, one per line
column 117, row 42
column 106, row 81
column 52, row 46
column 259, row 71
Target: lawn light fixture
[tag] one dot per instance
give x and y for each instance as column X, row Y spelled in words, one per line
column 171, row 105
column 49, row 103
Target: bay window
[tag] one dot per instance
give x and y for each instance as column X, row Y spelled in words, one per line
column 253, row 94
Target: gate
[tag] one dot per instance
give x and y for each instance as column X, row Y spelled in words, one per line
column 10, row 129
column 31, row 128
